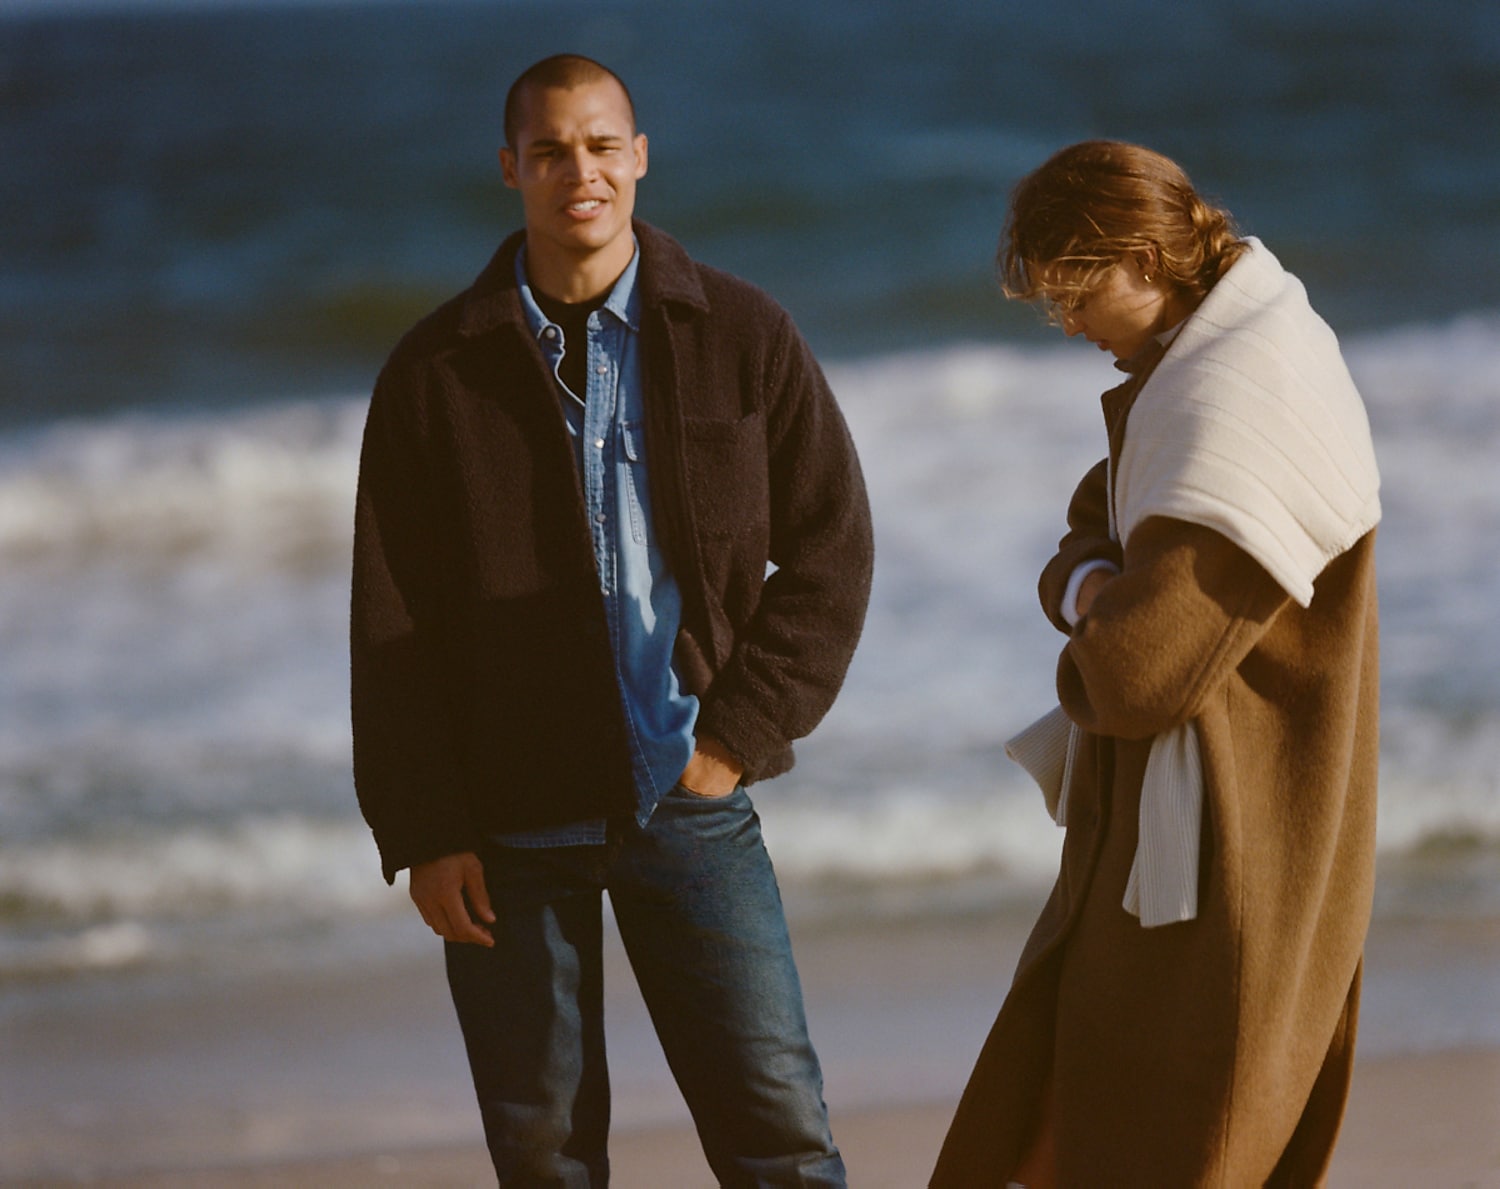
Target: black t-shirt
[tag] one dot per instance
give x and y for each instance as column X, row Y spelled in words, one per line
column 573, row 317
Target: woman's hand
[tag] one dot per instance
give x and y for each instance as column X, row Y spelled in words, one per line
column 1089, row 588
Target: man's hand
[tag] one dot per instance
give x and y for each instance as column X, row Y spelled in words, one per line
column 450, row 894
column 712, row 772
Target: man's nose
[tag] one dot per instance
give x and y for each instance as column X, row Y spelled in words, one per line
column 581, row 164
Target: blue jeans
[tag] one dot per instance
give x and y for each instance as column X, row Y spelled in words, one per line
column 700, row 914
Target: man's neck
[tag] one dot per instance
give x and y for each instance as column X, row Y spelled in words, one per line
column 575, row 279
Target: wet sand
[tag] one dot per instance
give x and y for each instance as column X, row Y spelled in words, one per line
column 335, row 1080
column 1421, row 1120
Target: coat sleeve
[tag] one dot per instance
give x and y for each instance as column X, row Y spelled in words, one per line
column 1087, row 539
column 788, row 666
column 1166, row 633
column 401, row 693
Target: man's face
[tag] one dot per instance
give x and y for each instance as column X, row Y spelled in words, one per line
column 576, row 161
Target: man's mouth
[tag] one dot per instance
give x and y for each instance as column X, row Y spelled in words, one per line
column 585, row 205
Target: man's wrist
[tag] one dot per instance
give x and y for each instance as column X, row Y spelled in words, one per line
column 713, row 768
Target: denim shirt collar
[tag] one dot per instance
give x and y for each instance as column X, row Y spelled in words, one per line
column 668, row 277
column 624, row 301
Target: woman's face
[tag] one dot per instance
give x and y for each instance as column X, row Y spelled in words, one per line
column 1122, row 311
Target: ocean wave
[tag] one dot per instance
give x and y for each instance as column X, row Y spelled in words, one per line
column 265, row 488
column 320, row 868
column 173, row 707
column 272, row 486
column 102, row 949
column 123, row 898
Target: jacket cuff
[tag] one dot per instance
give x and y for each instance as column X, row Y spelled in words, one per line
column 749, row 736
column 413, row 845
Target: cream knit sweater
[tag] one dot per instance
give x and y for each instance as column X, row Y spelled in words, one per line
column 1250, row 426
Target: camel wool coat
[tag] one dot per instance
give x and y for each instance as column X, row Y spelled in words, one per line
column 1215, row 1051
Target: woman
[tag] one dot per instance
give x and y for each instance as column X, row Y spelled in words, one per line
column 1184, row 1011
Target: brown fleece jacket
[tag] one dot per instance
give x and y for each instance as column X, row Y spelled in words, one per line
column 1215, row 1051
column 483, row 689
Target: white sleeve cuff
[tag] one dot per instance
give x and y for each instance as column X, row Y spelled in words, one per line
column 1069, row 606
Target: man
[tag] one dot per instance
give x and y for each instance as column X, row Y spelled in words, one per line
column 612, row 555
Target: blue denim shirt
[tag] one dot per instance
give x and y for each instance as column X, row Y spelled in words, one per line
column 641, row 600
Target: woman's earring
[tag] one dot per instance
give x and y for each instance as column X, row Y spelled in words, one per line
column 1145, row 276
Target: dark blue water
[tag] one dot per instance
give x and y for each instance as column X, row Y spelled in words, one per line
column 215, row 220
column 216, row 204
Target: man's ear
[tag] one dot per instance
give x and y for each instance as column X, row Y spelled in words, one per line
column 508, row 167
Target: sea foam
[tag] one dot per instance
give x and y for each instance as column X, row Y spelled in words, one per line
column 173, row 706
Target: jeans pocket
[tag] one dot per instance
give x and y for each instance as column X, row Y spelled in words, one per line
column 681, row 790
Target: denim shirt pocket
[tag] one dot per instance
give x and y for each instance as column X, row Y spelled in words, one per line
column 633, row 440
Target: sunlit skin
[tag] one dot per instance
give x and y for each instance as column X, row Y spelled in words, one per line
column 1089, row 588
column 575, row 163
column 1125, row 309
column 1121, row 313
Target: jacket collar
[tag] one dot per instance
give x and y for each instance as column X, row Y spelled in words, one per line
column 667, row 276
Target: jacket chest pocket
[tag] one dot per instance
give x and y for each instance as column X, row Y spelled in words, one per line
column 728, row 476
column 729, row 481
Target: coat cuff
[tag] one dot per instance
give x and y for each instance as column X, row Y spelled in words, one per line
column 1068, row 608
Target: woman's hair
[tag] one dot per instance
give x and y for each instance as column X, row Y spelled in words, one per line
column 1098, row 202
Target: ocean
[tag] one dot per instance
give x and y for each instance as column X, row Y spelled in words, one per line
column 220, row 216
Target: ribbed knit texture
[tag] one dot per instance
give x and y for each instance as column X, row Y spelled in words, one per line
column 1250, row 426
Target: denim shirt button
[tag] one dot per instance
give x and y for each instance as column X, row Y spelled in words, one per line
column 639, row 604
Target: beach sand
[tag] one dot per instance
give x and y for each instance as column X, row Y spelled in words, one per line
column 333, row 1080
column 1422, row 1121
